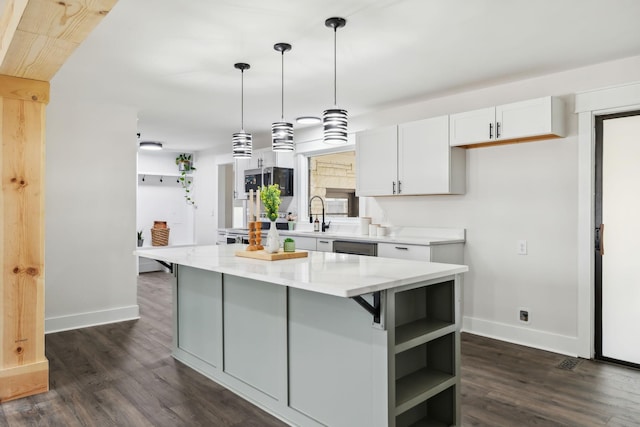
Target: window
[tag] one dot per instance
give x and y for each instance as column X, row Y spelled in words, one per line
column 333, row 177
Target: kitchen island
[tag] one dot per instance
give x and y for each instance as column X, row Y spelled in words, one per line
column 331, row 339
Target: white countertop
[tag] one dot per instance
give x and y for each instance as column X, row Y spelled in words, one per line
column 353, row 237
column 398, row 235
column 329, row 273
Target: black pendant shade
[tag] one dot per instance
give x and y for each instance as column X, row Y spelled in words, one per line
column 334, row 120
column 282, row 131
column 242, row 141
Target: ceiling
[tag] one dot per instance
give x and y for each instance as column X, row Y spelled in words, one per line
column 174, row 60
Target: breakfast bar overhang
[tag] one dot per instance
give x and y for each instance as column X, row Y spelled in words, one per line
column 329, row 339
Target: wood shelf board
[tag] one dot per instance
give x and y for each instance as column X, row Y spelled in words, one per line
column 421, row 331
column 419, row 386
column 280, row 255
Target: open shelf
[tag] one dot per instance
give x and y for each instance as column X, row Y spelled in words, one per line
column 420, row 386
column 421, row 331
column 437, row 411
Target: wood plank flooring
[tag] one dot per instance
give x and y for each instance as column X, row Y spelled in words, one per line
column 123, row 375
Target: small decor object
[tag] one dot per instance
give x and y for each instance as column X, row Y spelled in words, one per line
column 289, row 245
column 185, row 166
column 291, row 221
column 140, row 239
column 270, row 196
column 160, row 234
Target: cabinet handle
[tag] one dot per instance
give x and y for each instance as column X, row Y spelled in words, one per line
column 399, row 187
column 402, row 248
column 323, row 241
column 490, row 130
column 497, row 130
column 394, row 187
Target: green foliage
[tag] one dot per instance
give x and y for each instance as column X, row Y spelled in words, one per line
column 270, row 197
column 184, row 162
column 140, row 235
column 288, row 239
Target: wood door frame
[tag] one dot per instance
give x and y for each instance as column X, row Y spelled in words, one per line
column 598, row 170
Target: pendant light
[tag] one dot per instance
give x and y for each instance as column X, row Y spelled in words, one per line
column 242, row 140
column 334, row 120
column 282, row 132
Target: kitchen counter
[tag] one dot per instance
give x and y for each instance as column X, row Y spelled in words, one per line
column 329, row 340
column 398, row 235
column 323, row 272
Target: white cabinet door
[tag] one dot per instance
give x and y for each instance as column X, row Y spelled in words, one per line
column 324, row 245
column 377, row 161
column 528, row 119
column 415, row 252
column 305, row 243
column 472, row 127
column 426, row 162
column 239, row 166
column 266, row 158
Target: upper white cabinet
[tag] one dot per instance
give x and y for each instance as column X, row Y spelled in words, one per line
column 409, row 159
column 377, row 161
column 535, row 119
column 426, row 162
column 239, row 166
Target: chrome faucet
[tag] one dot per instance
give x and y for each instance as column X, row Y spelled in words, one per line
column 324, row 227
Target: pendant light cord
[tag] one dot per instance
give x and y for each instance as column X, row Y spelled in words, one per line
column 282, row 91
column 242, row 100
column 335, row 68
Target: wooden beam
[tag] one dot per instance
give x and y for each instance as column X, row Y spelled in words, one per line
column 47, row 34
column 23, row 89
column 9, row 20
column 24, row 368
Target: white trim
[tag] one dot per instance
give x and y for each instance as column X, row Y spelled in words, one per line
column 589, row 105
column 93, row 318
column 521, row 335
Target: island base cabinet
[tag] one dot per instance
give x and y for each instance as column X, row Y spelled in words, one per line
column 313, row 359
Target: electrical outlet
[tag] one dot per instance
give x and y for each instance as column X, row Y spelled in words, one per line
column 524, row 315
column 521, row 247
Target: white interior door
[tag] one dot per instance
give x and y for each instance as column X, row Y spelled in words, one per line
column 621, row 239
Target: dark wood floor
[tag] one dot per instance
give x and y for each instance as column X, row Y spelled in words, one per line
column 123, row 375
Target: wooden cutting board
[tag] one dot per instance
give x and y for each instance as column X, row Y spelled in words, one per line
column 272, row 257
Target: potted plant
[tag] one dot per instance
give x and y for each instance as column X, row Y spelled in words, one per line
column 270, row 197
column 140, row 239
column 185, row 165
column 289, row 245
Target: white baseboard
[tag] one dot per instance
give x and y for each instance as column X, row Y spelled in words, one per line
column 522, row 335
column 93, row 318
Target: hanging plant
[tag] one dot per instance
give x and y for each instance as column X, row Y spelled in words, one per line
column 185, row 165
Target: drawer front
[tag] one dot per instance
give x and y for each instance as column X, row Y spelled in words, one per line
column 305, row 243
column 415, row 252
column 324, row 245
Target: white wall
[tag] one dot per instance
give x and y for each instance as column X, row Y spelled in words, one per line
column 207, row 196
column 164, row 201
column 90, row 214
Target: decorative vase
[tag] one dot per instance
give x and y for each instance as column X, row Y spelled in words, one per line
column 273, row 239
column 140, row 242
